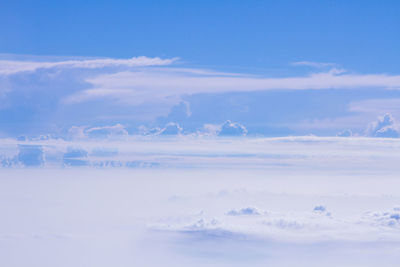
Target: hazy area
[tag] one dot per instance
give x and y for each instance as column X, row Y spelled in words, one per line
column 234, row 203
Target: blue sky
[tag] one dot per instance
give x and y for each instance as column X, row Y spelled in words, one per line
column 361, row 35
column 276, row 67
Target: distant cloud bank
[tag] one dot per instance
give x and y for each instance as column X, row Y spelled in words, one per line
column 92, row 96
column 174, row 150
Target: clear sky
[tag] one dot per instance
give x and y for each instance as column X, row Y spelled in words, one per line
column 218, row 61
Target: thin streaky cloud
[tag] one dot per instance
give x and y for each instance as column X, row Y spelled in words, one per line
column 166, row 84
column 391, row 105
column 314, row 64
column 8, row 67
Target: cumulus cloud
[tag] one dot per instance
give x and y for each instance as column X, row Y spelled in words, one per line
column 385, row 126
column 229, row 128
column 389, row 218
column 117, row 130
column 101, row 132
column 203, row 224
column 316, row 226
column 76, row 132
column 140, row 95
column 171, row 128
column 210, row 129
column 144, row 130
column 8, row 67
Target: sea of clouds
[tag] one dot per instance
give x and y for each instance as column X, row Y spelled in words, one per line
column 200, row 201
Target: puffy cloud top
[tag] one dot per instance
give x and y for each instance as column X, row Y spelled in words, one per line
column 103, row 132
column 107, row 131
column 385, row 126
column 171, row 128
column 229, row 128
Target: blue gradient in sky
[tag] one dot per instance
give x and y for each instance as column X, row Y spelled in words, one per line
column 255, row 36
column 348, row 51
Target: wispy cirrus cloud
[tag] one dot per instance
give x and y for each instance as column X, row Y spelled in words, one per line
column 388, row 105
column 314, row 64
column 80, row 91
column 136, row 87
column 8, row 67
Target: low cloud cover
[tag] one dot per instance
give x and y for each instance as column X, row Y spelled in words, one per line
column 199, row 133
column 160, row 150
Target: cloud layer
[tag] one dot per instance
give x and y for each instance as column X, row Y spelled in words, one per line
column 160, row 150
column 48, row 95
column 170, row 85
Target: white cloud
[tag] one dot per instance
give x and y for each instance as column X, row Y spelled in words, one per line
column 171, row 128
column 143, row 130
column 385, row 126
column 361, row 113
column 314, row 64
column 318, row 225
column 146, row 93
column 389, row 218
column 333, row 153
column 103, row 132
column 210, row 129
column 76, row 132
column 8, row 67
column 229, row 128
column 107, row 131
column 377, row 106
column 136, row 87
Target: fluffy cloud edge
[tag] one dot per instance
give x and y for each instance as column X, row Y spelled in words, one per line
column 317, row 225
